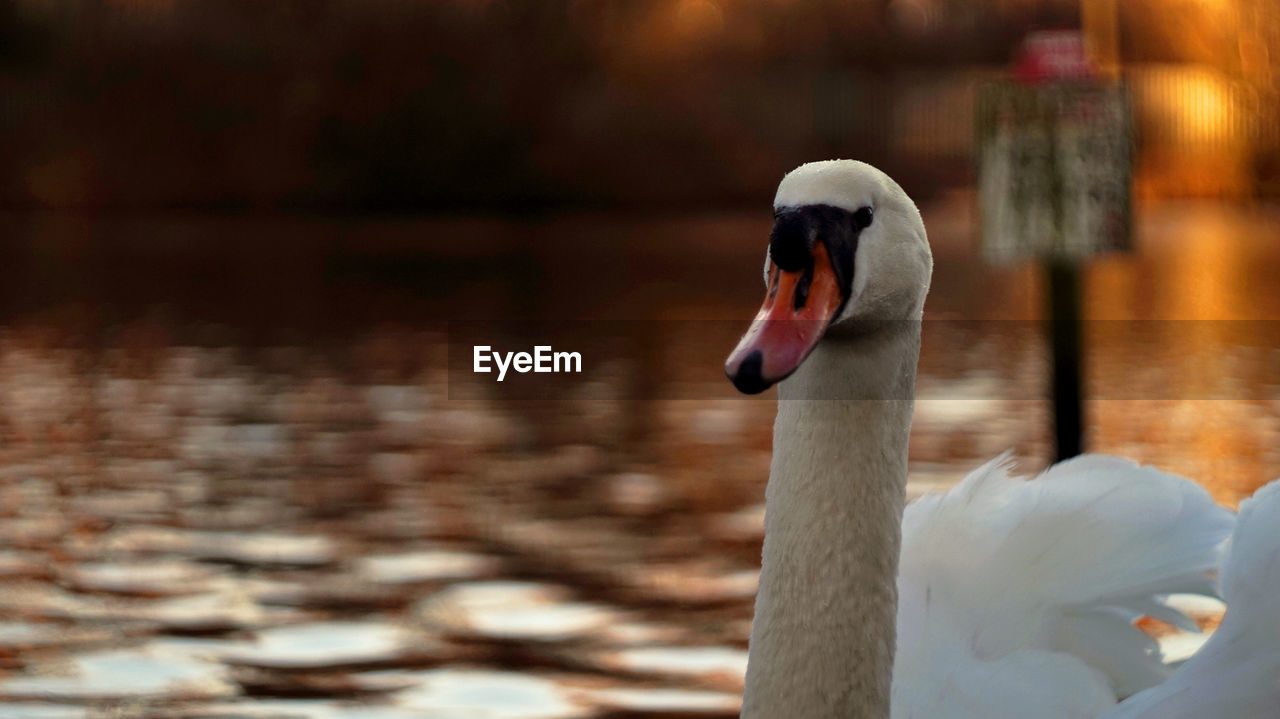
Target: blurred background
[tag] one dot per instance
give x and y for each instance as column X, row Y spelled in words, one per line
column 243, row 244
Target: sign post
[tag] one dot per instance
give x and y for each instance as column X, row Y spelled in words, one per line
column 1054, row 168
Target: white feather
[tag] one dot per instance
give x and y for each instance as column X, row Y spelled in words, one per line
column 1236, row 674
column 1007, row 585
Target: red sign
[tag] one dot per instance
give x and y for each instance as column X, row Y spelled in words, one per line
column 1048, row 56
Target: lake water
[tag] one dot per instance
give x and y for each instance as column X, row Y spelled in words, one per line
column 241, row 474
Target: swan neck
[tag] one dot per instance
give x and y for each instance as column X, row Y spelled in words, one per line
column 823, row 636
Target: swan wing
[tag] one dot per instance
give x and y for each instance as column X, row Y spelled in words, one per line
column 1006, row 584
column 1236, row 674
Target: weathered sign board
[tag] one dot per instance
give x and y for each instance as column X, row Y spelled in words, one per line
column 1054, row 169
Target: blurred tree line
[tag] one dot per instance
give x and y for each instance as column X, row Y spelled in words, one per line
column 466, row 105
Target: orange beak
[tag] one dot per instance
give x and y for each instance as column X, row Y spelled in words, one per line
column 796, row 311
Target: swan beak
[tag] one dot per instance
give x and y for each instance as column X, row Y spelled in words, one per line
column 797, row 309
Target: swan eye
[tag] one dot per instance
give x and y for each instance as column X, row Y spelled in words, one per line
column 862, row 218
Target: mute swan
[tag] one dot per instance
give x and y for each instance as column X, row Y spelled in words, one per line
column 1002, row 597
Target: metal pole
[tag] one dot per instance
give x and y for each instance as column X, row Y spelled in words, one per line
column 1063, row 277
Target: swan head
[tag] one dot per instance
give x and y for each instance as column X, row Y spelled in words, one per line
column 848, row 250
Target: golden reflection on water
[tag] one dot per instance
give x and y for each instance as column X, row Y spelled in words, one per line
column 1209, row 369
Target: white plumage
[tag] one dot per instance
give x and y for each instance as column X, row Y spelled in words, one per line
column 1236, row 674
column 1017, row 598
